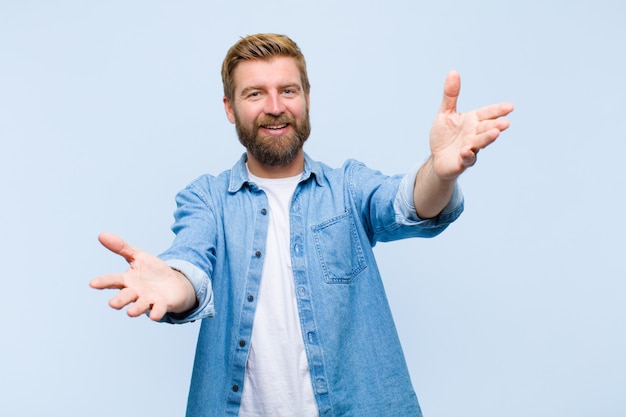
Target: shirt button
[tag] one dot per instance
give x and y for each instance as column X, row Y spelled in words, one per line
column 257, row 254
column 251, row 298
column 264, row 211
column 242, row 343
column 235, row 388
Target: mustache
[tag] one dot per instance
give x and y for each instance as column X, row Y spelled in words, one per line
column 272, row 120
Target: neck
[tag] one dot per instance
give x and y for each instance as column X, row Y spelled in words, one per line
column 291, row 169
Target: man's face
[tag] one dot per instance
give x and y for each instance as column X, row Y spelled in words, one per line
column 270, row 110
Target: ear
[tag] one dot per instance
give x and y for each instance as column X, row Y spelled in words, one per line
column 230, row 113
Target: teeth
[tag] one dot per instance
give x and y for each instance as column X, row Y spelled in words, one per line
column 276, row 127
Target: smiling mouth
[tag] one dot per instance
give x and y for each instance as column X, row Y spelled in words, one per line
column 276, row 127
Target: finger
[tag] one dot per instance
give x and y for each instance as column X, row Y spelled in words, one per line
column 110, row 281
column 123, row 298
column 141, row 306
column 117, row 245
column 451, row 90
column 158, row 311
column 487, row 125
column 483, row 140
column 468, row 156
column 155, row 310
column 494, row 111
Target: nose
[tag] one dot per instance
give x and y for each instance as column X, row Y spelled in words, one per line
column 274, row 104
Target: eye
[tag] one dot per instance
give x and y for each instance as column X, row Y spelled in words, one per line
column 292, row 90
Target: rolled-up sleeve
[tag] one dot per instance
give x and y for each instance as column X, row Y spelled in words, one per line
column 405, row 207
column 202, row 287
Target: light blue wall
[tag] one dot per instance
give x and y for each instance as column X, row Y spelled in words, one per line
column 107, row 109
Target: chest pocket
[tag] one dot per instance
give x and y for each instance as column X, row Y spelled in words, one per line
column 339, row 249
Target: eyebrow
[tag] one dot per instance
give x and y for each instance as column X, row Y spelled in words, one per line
column 246, row 90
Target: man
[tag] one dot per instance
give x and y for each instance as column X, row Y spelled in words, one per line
column 275, row 255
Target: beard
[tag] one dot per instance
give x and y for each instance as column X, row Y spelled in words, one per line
column 274, row 150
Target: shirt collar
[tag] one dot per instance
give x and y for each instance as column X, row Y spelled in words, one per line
column 239, row 173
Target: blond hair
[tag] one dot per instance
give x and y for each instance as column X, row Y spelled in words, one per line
column 263, row 46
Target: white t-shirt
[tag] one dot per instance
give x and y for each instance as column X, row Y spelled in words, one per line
column 277, row 381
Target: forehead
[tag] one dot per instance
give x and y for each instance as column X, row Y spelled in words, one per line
column 266, row 73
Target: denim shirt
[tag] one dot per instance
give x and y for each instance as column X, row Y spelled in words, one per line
column 337, row 215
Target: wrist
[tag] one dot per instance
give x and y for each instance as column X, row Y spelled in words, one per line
column 431, row 192
column 189, row 301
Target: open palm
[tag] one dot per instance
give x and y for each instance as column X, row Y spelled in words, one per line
column 456, row 138
column 149, row 284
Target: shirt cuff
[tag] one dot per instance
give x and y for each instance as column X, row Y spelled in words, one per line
column 202, row 287
column 405, row 207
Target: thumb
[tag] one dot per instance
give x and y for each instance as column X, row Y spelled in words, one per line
column 117, row 245
column 451, row 90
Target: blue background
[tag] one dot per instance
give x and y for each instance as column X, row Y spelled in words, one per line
column 107, row 109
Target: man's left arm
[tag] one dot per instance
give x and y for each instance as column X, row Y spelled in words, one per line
column 455, row 139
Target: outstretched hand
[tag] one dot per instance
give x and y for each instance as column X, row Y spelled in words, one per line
column 149, row 284
column 456, row 138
